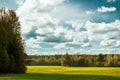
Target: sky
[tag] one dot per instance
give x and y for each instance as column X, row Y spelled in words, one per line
column 73, row 26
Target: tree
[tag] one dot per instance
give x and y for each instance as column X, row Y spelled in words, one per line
column 109, row 60
column 66, row 60
column 90, row 60
column 75, row 60
column 83, row 62
column 100, row 60
column 11, row 41
column 4, row 57
column 116, row 60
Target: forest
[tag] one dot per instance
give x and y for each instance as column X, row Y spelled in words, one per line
column 76, row 60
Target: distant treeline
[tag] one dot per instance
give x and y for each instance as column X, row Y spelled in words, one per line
column 101, row 60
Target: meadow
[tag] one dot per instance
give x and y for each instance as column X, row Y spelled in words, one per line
column 65, row 73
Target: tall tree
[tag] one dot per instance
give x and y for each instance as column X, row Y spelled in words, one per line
column 116, row 60
column 12, row 41
column 4, row 57
column 109, row 60
column 100, row 60
column 66, row 60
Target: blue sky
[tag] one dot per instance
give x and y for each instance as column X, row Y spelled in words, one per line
column 74, row 26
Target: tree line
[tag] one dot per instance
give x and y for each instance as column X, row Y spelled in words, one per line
column 11, row 45
column 101, row 60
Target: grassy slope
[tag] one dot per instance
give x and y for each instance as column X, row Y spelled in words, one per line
column 65, row 73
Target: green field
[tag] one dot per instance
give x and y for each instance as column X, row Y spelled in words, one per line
column 65, row 73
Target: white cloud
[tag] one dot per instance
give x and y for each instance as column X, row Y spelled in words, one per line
column 20, row 2
column 76, row 25
column 90, row 12
column 86, row 44
column 35, row 15
column 111, row 43
column 102, row 27
column 72, row 45
column 67, row 46
column 104, row 9
column 111, row 0
column 32, row 43
column 102, row 50
column 100, row 31
column 72, row 40
column 60, row 46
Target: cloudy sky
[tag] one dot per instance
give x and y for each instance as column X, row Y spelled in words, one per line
column 73, row 26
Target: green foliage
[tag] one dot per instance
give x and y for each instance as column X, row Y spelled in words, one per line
column 66, row 60
column 11, row 44
column 106, row 60
column 109, row 60
column 12, row 63
column 100, row 60
column 83, row 62
column 43, row 60
column 91, row 60
column 75, row 60
column 116, row 62
column 4, row 60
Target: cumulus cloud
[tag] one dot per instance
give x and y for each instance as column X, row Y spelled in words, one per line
column 32, row 43
column 105, row 34
column 38, row 26
column 102, row 30
column 76, row 25
column 104, row 9
column 111, row 43
column 102, row 27
column 71, row 45
column 32, row 9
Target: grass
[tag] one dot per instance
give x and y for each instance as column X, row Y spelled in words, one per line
column 65, row 73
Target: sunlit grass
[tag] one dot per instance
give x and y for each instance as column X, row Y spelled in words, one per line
column 65, row 73
column 74, row 70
